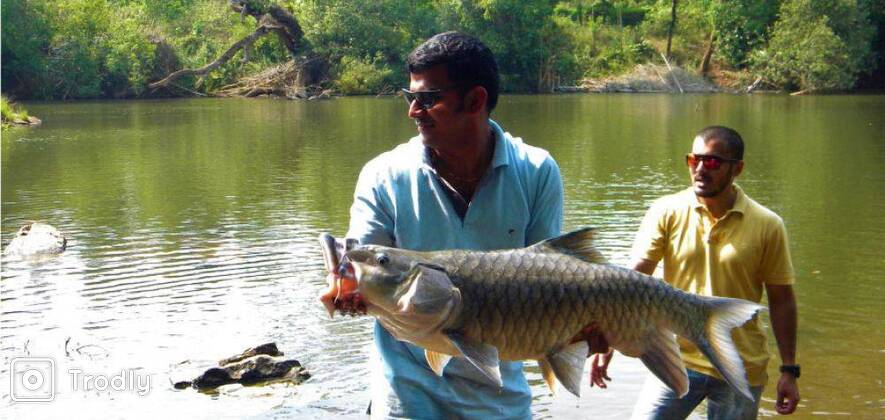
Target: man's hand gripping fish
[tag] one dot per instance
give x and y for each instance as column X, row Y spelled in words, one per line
column 533, row 303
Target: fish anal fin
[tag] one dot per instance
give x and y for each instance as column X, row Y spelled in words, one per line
column 437, row 361
column 548, row 374
column 568, row 365
column 579, row 244
column 483, row 356
column 662, row 357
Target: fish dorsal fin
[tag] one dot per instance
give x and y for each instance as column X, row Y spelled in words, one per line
column 661, row 356
column 568, row 365
column 437, row 361
column 578, row 244
column 548, row 374
column 483, row 356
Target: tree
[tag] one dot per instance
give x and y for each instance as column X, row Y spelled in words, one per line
column 671, row 27
column 817, row 44
column 26, row 34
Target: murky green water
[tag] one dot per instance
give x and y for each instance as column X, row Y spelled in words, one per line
column 192, row 227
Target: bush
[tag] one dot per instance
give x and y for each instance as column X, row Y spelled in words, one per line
column 10, row 112
column 362, row 77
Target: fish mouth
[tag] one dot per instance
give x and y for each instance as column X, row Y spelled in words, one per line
column 343, row 295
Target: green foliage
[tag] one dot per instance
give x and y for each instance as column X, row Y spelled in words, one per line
column 26, row 34
column 115, row 48
column 817, row 44
column 10, row 112
column 609, row 12
column 362, row 77
column 5, row 109
column 741, row 27
column 374, row 36
column 601, row 50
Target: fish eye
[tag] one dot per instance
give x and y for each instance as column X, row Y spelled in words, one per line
column 382, row 259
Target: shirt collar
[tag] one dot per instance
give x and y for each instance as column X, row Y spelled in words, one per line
column 500, row 157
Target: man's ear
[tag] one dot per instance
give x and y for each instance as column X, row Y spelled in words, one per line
column 475, row 99
column 738, row 167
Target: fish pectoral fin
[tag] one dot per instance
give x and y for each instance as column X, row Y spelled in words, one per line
column 579, row 244
column 437, row 361
column 568, row 365
column 663, row 359
column 483, row 356
column 548, row 374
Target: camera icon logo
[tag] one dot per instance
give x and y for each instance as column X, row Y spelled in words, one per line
column 33, row 379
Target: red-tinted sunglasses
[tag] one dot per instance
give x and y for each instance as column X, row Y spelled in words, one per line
column 711, row 162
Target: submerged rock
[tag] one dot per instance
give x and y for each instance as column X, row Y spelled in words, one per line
column 252, row 366
column 36, row 238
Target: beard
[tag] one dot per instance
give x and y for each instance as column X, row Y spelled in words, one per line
column 713, row 189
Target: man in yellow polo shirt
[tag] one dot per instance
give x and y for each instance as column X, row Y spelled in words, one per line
column 716, row 241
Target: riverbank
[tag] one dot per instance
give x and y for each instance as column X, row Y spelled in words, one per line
column 651, row 78
column 14, row 115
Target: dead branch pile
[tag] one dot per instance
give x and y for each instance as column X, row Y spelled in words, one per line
column 651, row 78
column 292, row 80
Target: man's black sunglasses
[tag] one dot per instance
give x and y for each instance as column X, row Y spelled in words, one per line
column 425, row 98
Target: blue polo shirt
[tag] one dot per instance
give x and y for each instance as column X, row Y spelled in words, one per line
column 400, row 201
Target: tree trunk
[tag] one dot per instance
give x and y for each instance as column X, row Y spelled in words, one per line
column 705, row 62
column 285, row 24
column 672, row 26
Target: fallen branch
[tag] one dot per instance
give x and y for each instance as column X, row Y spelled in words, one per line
column 261, row 31
column 671, row 69
column 755, row 85
column 188, row 90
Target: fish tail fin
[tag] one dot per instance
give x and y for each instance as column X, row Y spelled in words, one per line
column 726, row 314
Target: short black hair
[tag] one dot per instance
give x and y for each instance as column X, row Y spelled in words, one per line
column 732, row 139
column 468, row 62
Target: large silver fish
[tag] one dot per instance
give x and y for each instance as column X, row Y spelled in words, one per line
column 533, row 303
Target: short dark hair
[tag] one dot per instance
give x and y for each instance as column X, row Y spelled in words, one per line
column 732, row 139
column 468, row 62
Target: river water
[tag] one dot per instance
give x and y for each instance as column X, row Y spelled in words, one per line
column 192, row 230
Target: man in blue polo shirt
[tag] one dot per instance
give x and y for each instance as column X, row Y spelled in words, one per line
column 462, row 183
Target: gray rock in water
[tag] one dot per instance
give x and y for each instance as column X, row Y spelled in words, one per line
column 36, row 238
column 269, row 349
column 252, row 366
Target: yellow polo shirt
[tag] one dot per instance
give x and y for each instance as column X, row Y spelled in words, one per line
column 735, row 256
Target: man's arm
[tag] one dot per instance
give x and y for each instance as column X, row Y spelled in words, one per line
column 546, row 219
column 370, row 220
column 782, row 307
